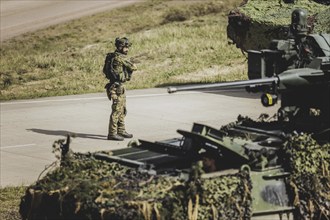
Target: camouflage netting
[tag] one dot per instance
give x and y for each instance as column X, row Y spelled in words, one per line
column 256, row 22
column 86, row 188
column 310, row 166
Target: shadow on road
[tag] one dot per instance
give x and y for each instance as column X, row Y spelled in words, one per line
column 65, row 133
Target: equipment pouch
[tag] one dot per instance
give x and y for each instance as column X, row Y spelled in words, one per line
column 120, row 90
column 108, row 87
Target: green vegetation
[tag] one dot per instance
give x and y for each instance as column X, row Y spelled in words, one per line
column 10, row 198
column 174, row 42
column 278, row 12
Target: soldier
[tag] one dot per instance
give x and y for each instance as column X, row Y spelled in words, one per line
column 298, row 30
column 209, row 162
column 118, row 69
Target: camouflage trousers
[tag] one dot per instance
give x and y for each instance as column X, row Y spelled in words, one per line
column 118, row 113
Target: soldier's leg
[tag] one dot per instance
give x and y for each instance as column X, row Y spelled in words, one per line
column 113, row 121
column 121, row 121
column 121, row 118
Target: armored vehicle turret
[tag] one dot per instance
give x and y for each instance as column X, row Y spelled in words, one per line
column 296, row 69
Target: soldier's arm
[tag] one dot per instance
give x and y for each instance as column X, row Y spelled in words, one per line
column 129, row 65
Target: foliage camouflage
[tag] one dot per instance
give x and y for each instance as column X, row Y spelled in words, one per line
column 256, row 22
column 228, row 197
column 67, row 58
column 309, row 164
column 86, row 188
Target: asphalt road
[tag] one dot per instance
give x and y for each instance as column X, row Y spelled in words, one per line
column 18, row 17
column 29, row 127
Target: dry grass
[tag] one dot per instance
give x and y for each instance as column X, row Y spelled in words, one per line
column 170, row 39
column 10, row 198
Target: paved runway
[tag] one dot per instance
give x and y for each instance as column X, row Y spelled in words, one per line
column 29, row 127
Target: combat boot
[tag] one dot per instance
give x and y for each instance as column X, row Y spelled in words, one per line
column 115, row 137
column 125, row 135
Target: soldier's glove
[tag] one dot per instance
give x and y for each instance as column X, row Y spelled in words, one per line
column 134, row 67
column 129, row 75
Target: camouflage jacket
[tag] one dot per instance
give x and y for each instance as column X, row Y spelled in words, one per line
column 121, row 67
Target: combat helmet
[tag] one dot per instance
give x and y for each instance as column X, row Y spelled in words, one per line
column 299, row 22
column 122, row 42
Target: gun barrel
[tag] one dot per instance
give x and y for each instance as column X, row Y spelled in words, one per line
column 226, row 85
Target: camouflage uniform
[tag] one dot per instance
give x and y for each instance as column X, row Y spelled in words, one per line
column 121, row 70
column 118, row 93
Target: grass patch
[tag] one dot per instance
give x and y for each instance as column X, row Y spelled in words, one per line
column 10, row 198
column 171, row 39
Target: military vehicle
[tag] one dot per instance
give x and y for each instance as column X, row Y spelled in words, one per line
column 298, row 70
column 252, row 178
column 254, row 23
